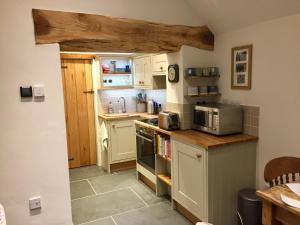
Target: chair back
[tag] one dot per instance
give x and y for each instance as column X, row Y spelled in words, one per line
column 282, row 170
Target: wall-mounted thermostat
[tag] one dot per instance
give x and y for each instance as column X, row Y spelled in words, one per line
column 38, row 91
column 26, row 91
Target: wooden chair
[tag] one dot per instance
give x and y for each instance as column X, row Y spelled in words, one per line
column 282, row 170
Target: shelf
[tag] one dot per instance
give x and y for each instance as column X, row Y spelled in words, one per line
column 200, row 77
column 117, row 74
column 165, row 158
column 115, row 87
column 203, row 95
column 165, row 178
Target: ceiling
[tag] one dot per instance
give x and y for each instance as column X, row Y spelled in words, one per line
column 226, row 15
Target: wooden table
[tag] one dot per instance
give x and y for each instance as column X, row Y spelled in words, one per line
column 275, row 211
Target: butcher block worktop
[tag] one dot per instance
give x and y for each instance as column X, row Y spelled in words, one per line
column 126, row 116
column 200, row 138
column 208, row 141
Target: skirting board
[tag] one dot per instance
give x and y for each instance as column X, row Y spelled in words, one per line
column 146, row 173
column 122, row 166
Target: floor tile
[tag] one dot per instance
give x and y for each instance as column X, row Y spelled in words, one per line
column 160, row 214
column 99, row 206
column 81, row 189
column 86, row 172
column 147, row 194
column 105, row 221
column 113, row 181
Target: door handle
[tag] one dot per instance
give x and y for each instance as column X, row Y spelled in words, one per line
column 88, row 92
column 199, row 155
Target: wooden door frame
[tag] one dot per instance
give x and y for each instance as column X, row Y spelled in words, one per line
column 90, row 110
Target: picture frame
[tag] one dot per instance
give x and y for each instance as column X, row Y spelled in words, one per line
column 241, row 67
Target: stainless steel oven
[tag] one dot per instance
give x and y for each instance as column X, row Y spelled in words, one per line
column 146, row 146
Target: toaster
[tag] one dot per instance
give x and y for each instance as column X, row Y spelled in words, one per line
column 168, row 120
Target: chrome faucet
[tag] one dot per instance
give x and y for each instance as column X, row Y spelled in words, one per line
column 124, row 104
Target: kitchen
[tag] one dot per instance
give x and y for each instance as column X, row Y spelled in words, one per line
column 191, row 173
column 135, row 131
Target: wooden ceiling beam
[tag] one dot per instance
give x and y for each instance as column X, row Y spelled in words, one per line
column 97, row 33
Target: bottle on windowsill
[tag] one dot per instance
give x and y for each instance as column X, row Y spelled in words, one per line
column 110, row 108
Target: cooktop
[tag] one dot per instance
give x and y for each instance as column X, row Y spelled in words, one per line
column 153, row 121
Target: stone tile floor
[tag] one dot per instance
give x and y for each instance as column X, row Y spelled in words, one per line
column 99, row 198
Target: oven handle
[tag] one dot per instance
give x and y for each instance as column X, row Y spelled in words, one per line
column 148, row 139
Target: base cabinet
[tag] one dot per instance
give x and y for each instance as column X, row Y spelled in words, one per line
column 117, row 142
column 189, row 178
column 206, row 182
column 122, row 142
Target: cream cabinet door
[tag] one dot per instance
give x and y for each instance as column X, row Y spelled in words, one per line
column 160, row 64
column 138, row 65
column 142, row 72
column 123, row 146
column 147, row 82
column 189, row 178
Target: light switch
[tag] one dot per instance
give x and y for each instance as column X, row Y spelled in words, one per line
column 35, row 203
column 38, row 91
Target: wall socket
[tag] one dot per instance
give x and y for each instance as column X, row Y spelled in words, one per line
column 35, row 203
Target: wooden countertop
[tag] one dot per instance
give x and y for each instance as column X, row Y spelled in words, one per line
column 156, row 128
column 202, row 139
column 126, row 116
column 208, row 141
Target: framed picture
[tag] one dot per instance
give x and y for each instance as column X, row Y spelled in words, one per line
column 241, row 67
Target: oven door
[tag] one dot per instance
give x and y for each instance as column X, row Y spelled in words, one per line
column 146, row 151
column 203, row 119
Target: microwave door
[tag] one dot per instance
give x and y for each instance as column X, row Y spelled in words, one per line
column 201, row 119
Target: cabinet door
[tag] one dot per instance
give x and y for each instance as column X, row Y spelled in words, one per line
column 189, row 178
column 160, row 64
column 139, row 68
column 147, row 78
column 122, row 140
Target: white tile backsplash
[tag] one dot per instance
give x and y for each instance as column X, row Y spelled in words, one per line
column 106, row 96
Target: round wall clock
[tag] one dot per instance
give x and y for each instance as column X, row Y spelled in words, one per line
column 173, row 73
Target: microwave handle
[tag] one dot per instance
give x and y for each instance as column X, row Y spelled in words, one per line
column 210, row 120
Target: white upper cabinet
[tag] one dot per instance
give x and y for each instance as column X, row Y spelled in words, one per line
column 150, row 71
column 159, row 64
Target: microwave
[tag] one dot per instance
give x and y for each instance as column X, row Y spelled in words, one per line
column 218, row 119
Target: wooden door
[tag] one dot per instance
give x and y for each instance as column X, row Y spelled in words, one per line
column 189, row 178
column 123, row 146
column 79, row 111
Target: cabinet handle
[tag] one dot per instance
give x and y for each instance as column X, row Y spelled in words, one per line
column 199, row 156
column 113, row 126
column 161, row 68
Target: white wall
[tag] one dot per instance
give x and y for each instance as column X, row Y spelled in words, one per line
column 275, row 84
column 33, row 159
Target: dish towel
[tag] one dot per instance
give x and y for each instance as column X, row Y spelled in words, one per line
column 2, row 216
